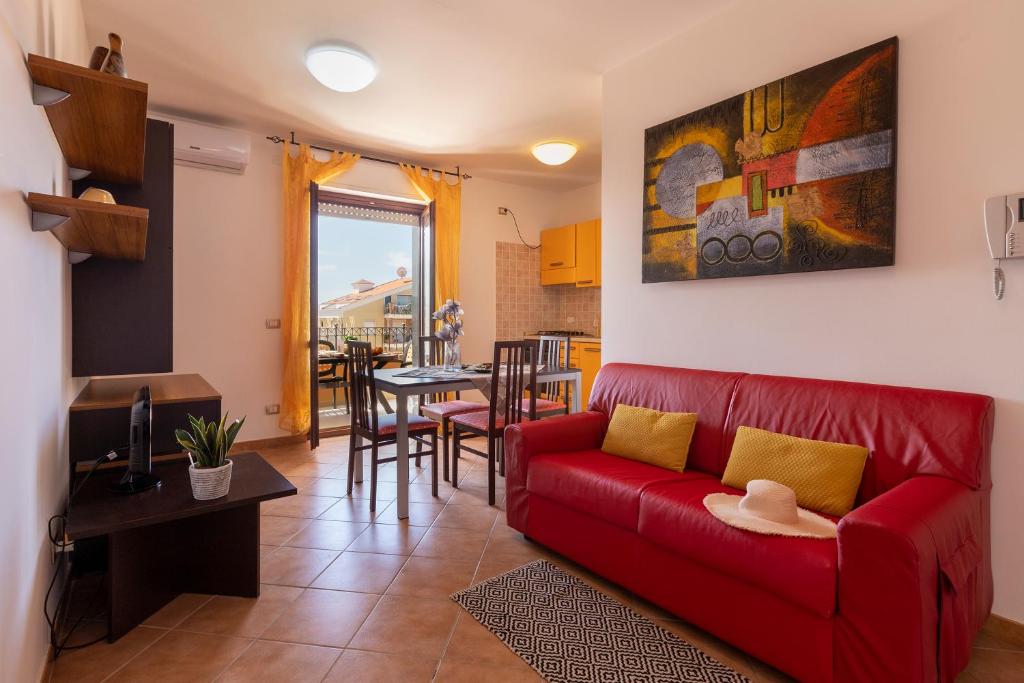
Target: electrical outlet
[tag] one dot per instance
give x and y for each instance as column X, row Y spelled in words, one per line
column 502, row 211
column 273, row 323
column 273, row 408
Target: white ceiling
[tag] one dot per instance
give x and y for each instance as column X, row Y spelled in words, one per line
column 468, row 82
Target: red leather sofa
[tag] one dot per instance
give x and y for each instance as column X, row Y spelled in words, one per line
column 898, row 596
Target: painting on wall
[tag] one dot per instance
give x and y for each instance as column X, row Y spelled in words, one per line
column 796, row 175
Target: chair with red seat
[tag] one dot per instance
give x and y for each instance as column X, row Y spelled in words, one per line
column 379, row 430
column 513, row 373
column 438, row 407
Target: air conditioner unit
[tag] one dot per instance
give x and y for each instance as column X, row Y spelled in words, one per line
column 212, row 147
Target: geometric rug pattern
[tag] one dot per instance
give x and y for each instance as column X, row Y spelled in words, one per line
column 570, row 632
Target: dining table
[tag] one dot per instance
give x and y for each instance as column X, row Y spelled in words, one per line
column 399, row 383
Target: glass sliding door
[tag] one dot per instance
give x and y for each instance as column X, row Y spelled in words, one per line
column 374, row 283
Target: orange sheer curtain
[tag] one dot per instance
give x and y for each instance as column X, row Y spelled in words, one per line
column 298, row 172
column 447, row 227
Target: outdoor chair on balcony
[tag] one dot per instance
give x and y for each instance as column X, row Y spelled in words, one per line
column 334, row 374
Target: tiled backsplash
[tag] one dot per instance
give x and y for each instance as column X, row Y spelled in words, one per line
column 524, row 307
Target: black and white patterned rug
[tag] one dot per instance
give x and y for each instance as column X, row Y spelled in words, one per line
column 569, row 632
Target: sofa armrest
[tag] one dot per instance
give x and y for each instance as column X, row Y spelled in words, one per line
column 576, row 432
column 913, row 584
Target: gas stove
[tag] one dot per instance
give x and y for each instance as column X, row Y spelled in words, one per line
column 561, row 333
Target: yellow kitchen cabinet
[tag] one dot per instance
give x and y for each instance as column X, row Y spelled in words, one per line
column 558, row 255
column 588, row 253
column 589, row 363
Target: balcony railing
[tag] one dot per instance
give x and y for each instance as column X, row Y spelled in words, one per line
column 393, row 339
column 398, row 309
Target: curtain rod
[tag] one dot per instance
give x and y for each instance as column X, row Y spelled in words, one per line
column 277, row 139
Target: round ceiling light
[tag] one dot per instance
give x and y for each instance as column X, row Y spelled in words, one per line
column 341, row 68
column 555, row 152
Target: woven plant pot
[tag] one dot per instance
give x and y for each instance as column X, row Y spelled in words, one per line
column 210, row 483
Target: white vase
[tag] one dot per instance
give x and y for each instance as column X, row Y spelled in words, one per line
column 210, row 482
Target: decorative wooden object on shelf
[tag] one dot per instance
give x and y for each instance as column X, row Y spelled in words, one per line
column 92, row 228
column 99, row 119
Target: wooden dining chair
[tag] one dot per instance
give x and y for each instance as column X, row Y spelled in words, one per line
column 328, row 375
column 513, row 374
column 380, row 430
column 553, row 397
column 440, row 407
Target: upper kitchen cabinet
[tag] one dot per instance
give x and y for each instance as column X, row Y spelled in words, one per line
column 588, row 253
column 571, row 255
column 558, row 255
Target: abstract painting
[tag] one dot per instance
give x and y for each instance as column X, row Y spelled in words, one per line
column 796, row 175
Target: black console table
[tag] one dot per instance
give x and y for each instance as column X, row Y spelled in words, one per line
column 162, row 542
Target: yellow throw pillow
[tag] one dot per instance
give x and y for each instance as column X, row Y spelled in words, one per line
column 825, row 476
column 650, row 436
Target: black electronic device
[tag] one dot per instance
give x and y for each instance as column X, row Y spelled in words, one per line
column 139, row 476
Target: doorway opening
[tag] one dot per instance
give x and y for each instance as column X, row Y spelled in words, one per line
column 374, row 282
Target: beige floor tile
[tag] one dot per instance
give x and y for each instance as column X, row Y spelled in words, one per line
column 420, row 514
column 350, row 510
column 491, row 567
column 994, row 666
column 477, row 478
column 357, row 666
column 298, row 506
column 388, row 539
column 242, row 617
column 472, row 643
column 455, row 544
column 295, row 566
column 312, row 469
column 513, row 546
column 363, row 572
column 327, row 534
column 467, row 517
column 183, row 656
column 96, row 662
column 471, row 672
column 271, row 662
column 387, row 491
column 428, row 577
column 421, row 492
column 325, row 487
column 473, row 495
column 174, row 612
column 277, row 530
column 322, row 617
column 303, row 484
column 405, row 624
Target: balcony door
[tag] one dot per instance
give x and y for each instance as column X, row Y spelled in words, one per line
column 371, row 279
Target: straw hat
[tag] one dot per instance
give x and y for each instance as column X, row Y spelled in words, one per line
column 769, row 508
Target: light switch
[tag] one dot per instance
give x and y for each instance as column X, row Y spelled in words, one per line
column 273, row 323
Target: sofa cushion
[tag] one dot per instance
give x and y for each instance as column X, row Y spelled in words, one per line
column 673, row 390
column 802, row 571
column 596, row 483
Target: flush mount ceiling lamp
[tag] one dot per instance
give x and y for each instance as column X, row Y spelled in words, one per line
column 554, row 152
column 341, row 68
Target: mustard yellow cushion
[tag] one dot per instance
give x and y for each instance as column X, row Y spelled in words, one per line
column 825, row 476
column 650, row 436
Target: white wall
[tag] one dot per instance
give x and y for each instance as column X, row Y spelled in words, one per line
column 227, row 270
column 929, row 321
column 35, row 346
column 581, row 204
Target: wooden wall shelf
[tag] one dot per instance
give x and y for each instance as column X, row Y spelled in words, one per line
column 89, row 228
column 99, row 119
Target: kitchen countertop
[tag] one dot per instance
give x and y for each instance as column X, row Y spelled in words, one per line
column 595, row 340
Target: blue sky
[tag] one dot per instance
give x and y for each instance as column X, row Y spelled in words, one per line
column 352, row 249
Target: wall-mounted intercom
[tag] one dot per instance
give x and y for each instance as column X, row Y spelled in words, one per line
column 1004, row 215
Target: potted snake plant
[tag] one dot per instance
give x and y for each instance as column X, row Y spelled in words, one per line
column 207, row 445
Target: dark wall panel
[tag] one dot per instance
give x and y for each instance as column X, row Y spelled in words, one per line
column 122, row 312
